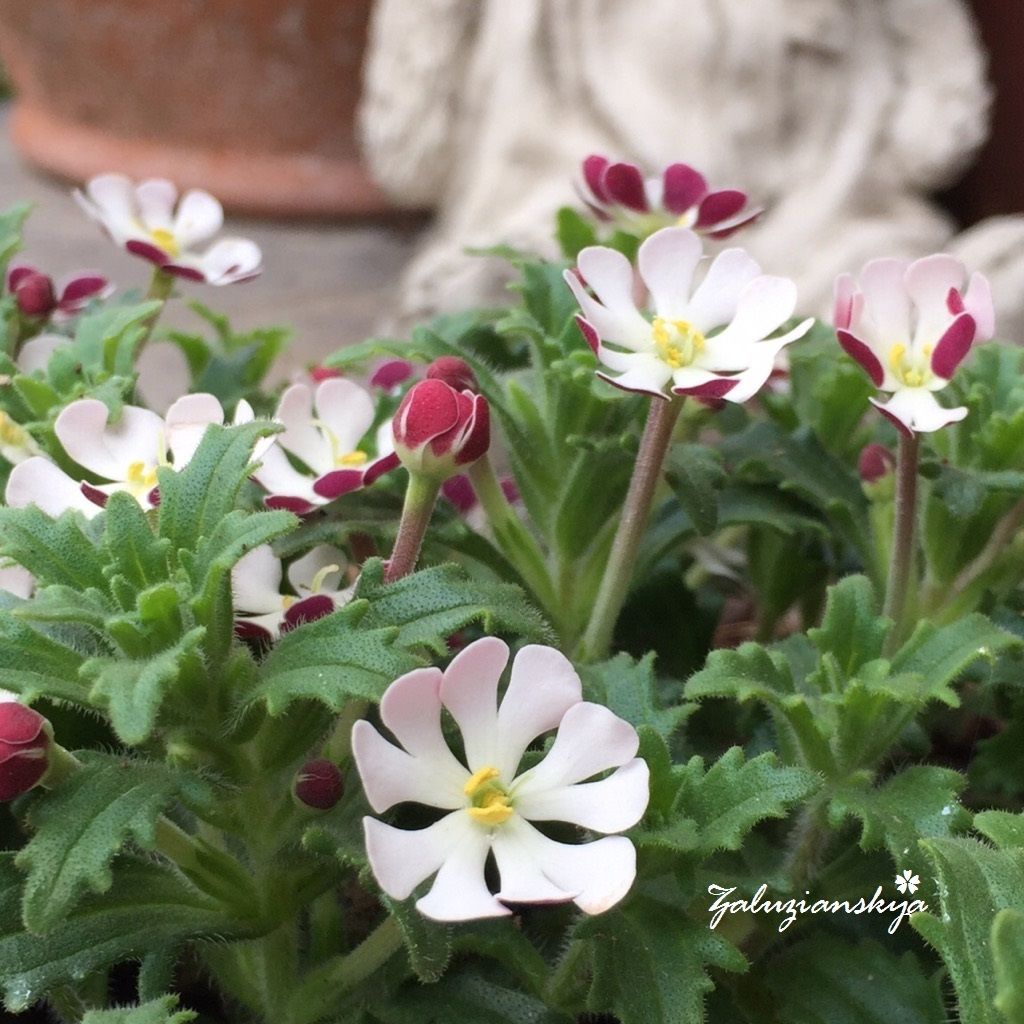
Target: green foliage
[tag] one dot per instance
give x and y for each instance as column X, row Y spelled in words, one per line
column 156, row 1011
column 631, row 689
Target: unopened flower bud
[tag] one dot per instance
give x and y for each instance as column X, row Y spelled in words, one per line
column 319, row 784
column 25, row 743
column 33, row 291
column 438, row 430
column 875, row 462
column 454, row 371
column 391, row 373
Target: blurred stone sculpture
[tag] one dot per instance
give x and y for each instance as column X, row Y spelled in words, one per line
column 840, row 116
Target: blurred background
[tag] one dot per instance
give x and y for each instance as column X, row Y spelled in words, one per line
column 364, row 145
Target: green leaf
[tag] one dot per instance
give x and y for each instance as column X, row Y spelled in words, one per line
column 696, row 474
column 12, row 222
column 1004, row 829
column 53, row 550
column 827, row 980
column 630, row 689
column 546, row 295
column 573, row 231
column 132, row 550
column 157, row 1011
column 650, row 963
column 975, row 882
column 81, row 825
column 428, row 606
column 428, row 943
column 332, row 660
column 147, row 908
column 106, row 339
column 1008, row 951
column 851, row 631
column 35, row 664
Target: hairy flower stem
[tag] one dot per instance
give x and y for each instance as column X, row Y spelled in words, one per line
column 420, row 496
column 161, row 285
column 615, row 583
column 901, row 559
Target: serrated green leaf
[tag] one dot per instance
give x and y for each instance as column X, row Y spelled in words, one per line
column 35, row 664
column 1004, row 829
column 1008, row 951
column 852, row 630
column 81, row 825
column 630, row 689
column 944, row 653
column 132, row 549
column 428, row 606
column 427, row 943
column 695, row 473
column 156, row 1011
column 53, row 550
column 147, row 908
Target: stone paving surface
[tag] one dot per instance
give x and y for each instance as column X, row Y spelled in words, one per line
column 332, row 282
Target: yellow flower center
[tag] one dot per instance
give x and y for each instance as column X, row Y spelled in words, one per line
column 490, row 804
column 165, row 240
column 911, row 373
column 350, row 459
column 11, row 433
column 140, row 478
column 677, row 342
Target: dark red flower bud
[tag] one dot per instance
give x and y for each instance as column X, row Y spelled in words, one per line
column 321, row 373
column 33, row 291
column 438, row 430
column 390, row 374
column 454, row 371
column 319, row 784
column 875, row 462
column 25, row 738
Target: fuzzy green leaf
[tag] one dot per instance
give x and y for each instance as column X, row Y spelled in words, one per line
column 1008, row 950
column 695, row 473
column 851, row 631
column 1004, row 829
column 630, row 689
column 427, row 943
column 132, row 550
column 34, row 663
column 157, row 1011
column 53, row 550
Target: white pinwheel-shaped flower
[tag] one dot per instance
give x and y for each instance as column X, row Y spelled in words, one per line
column 492, row 804
column 910, row 325
column 126, row 453
column 711, row 341
column 908, row 882
column 148, row 221
column 326, row 430
column 263, row 613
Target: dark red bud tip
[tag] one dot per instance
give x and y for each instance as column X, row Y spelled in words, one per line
column 390, row 374
column 24, row 749
column 319, row 784
column 454, row 372
column 875, row 462
column 34, row 294
column 321, row 373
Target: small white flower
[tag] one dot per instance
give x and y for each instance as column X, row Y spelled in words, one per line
column 491, row 804
column 708, row 342
column 263, row 612
column 148, row 220
column 908, row 882
column 325, row 430
column 16, row 443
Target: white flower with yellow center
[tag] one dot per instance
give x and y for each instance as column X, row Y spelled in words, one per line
column 148, row 221
column 125, row 454
column 491, row 804
column 910, row 325
column 16, row 443
column 711, row 341
column 326, row 431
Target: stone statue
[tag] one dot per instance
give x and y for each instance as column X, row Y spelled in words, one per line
column 839, row 116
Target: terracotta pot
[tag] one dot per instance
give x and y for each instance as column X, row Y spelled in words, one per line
column 253, row 100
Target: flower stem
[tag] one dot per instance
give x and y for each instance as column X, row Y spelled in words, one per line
column 615, row 583
column 901, row 558
column 161, row 284
column 420, row 496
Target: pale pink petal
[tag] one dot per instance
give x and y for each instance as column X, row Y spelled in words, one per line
column 632, row 333
column 647, row 375
column 301, row 436
column 599, row 873
column 108, row 449
column 590, row 740
column 164, row 374
column 256, row 582
column 281, row 479
column 715, row 300
column 231, row 260
column 38, row 481
column 928, row 282
column 978, row 302
column 919, row 410
column 543, row 685
column 470, row 693
column 155, row 199
column 842, row 308
column 688, row 377
column 764, row 305
column 199, row 217
column 610, row 276
column 35, row 354
column 886, row 304
column 346, row 410
column 667, row 261
column 110, row 200
column 303, row 571
column 762, row 362
column 18, row 581
column 609, row 805
column 187, row 420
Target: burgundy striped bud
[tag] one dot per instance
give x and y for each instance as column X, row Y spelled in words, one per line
column 25, row 741
column 319, row 784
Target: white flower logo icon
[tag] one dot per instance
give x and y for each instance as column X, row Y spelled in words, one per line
column 907, row 882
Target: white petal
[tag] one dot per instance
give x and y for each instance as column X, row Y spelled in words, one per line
column 199, row 217
column 18, row 581
column 280, row 478
column 692, row 377
column 301, row 435
column 542, row 687
column 714, row 302
column 110, row 200
column 35, row 354
column 303, row 571
column 163, row 374
column 928, row 282
column 600, row 873
column 590, row 740
column 647, row 374
column 609, row 805
column 614, row 312
column 667, row 261
column 470, row 692
column 256, row 581
column 761, row 362
column 764, row 305
column 155, row 199
column 919, row 410
column 108, row 449
column 978, row 302
column 187, row 420
column 38, row 481
column 231, row 260
column 346, row 410
column 886, row 304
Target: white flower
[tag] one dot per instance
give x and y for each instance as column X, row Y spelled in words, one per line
column 16, row 443
column 263, row 612
column 148, row 221
column 127, row 453
column 908, row 882
column 910, row 325
column 17, row 581
column 34, row 354
column 708, row 342
column 324, row 430
column 490, row 804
